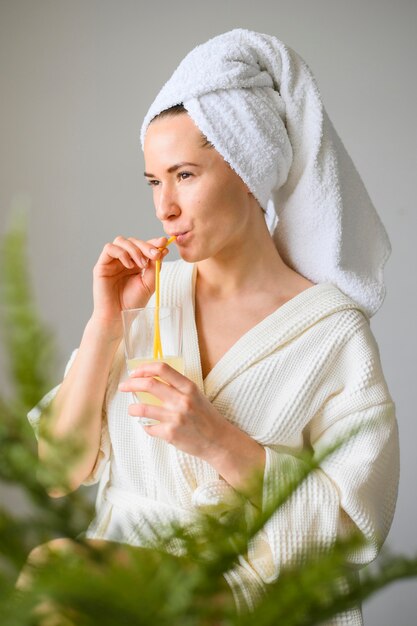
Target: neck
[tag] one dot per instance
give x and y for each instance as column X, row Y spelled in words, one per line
column 253, row 264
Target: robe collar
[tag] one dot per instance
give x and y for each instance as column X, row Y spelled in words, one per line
column 281, row 326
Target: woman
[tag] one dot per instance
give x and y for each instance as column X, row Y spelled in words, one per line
column 279, row 355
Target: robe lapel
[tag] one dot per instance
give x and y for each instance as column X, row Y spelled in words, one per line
column 283, row 325
column 191, row 350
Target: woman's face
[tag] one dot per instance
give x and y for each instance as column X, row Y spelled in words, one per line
column 197, row 195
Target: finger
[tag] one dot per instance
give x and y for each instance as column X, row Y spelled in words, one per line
column 111, row 252
column 133, row 250
column 151, row 248
column 164, row 392
column 166, row 373
column 159, row 242
column 150, row 411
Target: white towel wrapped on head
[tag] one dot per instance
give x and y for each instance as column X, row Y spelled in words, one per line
column 257, row 102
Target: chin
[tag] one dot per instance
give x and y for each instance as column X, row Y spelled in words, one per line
column 191, row 256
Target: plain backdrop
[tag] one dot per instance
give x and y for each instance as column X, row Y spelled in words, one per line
column 76, row 79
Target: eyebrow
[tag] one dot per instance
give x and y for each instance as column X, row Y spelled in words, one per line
column 171, row 169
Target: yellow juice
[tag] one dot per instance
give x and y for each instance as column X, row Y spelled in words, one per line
column 177, row 362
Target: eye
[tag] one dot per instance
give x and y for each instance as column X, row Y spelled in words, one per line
column 186, row 174
column 152, row 183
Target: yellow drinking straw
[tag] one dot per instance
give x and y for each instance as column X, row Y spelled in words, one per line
column 157, row 345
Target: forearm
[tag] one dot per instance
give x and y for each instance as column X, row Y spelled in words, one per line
column 77, row 407
column 187, row 420
column 238, row 459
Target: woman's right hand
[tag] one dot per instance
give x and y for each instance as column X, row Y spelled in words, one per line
column 124, row 278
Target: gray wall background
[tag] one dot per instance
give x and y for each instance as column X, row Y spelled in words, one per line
column 76, row 79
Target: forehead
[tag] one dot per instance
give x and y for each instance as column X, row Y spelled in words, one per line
column 176, row 139
column 172, row 131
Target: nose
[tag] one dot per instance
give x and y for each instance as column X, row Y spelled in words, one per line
column 166, row 204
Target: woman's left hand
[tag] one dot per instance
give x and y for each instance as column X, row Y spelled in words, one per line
column 186, row 418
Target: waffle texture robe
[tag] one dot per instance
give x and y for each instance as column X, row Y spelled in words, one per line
column 302, row 377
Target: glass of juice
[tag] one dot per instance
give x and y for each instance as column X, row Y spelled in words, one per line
column 139, row 339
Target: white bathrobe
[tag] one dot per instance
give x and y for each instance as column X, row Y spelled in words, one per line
column 300, row 378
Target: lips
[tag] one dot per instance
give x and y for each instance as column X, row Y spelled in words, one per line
column 180, row 236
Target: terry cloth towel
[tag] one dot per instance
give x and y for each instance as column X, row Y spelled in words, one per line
column 257, row 102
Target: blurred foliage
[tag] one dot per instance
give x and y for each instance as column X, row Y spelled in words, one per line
column 178, row 580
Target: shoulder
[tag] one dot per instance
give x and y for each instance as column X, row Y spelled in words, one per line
column 339, row 309
column 341, row 329
column 326, row 315
column 355, row 373
column 352, row 380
